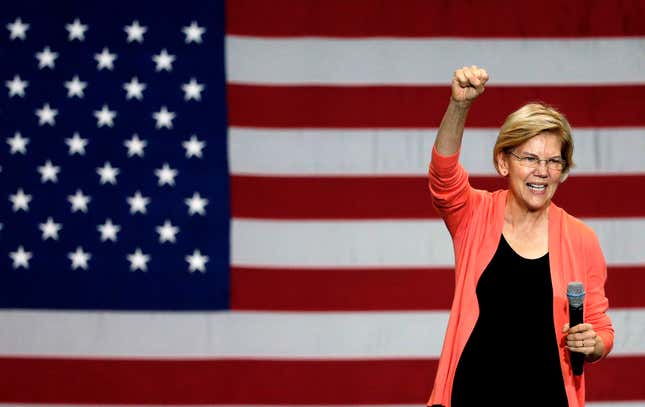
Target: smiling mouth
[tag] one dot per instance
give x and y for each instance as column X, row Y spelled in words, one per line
column 536, row 187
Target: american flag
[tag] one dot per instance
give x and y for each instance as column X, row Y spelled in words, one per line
column 226, row 204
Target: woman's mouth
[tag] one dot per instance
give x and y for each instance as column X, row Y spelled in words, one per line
column 536, row 187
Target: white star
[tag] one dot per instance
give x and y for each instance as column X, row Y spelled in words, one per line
column 20, row 258
column 105, row 59
column 79, row 201
column 193, row 147
column 76, row 30
column 138, row 203
column 163, row 60
column 193, row 33
column 20, row 200
column 75, row 87
column 16, row 86
column 166, row 175
column 196, row 204
column 46, row 58
column 105, row 116
column 138, row 260
column 134, row 89
column 108, row 230
column 18, row 144
column 48, row 172
column 107, row 173
column 167, row 232
column 18, row 29
column 197, row 262
column 135, row 31
column 50, row 229
column 76, row 144
column 79, row 258
column 46, row 115
column 192, row 90
column 164, row 118
column 135, row 146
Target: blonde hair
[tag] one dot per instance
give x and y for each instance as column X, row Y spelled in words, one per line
column 529, row 121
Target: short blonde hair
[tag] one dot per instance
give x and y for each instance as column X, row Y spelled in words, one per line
column 529, row 121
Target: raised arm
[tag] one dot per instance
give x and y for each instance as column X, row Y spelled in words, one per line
column 467, row 84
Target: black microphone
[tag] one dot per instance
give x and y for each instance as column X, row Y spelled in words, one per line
column 576, row 296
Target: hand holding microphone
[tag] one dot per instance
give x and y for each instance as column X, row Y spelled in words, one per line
column 581, row 338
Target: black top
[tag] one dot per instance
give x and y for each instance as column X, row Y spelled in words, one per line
column 511, row 357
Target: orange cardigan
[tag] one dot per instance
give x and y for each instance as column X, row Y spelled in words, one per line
column 475, row 219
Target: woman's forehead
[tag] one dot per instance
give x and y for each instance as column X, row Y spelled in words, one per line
column 543, row 143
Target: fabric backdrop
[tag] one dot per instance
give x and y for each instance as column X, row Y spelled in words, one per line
column 226, row 204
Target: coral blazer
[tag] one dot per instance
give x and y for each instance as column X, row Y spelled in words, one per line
column 475, row 219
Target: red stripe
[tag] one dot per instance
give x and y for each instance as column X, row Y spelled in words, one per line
column 387, row 289
column 409, row 198
column 30, row 380
column 423, row 106
column 421, row 18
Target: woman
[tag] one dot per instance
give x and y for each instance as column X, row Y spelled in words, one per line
column 508, row 340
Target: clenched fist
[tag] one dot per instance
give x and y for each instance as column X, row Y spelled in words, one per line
column 468, row 83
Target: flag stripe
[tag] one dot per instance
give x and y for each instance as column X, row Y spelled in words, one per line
column 251, row 381
column 422, row 106
column 344, row 152
column 419, row 18
column 432, row 61
column 372, row 197
column 296, row 336
column 381, row 289
column 392, row 243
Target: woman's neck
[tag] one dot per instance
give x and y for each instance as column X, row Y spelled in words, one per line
column 518, row 216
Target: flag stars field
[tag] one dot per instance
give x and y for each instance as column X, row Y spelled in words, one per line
column 193, row 33
column 50, row 229
column 20, row 201
column 48, row 172
column 79, row 258
column 46, row 58
column 135, row 146
column 105, row 59
column 138, row 260
column 138, row 203
column 135, row 32
column 20, row 258
column 17, row 29
column 46, row 115
column 107, row 173
column 76, row 144
column 17, row 86
column 75, row 87
column 79, row 201
column 163, row 61
column 193, row 147
column 108, row 231
column 105, row 116
column 18, row 144
column 76, row 30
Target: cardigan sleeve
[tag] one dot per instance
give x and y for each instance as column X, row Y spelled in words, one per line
column 450, row 189
column 596, row 303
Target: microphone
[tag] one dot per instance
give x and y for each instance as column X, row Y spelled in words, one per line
column 576, row 296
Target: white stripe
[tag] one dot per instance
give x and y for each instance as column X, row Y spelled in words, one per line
column 372, row 243
column 407, row 152
column 251, row 334
column 432, row 61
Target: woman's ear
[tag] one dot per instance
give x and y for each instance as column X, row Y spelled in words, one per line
column 502, row 164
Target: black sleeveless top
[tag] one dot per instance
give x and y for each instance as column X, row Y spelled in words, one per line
column 511, row 357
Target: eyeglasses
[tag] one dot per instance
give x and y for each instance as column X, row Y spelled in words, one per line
column 556, row 164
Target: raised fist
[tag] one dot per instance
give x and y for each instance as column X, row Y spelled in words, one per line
column 468, row 83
